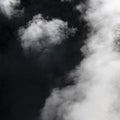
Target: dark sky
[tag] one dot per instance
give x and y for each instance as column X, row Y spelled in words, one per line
column 25, row 80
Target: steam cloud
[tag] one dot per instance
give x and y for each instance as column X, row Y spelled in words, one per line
column 41, row 33
column 8, row 7
column 95, row 95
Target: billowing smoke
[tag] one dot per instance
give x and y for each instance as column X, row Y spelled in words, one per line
column 96, row 93
column 8, row 7
column 41, row 34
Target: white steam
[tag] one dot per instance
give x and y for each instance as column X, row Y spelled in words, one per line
column 8, row 7
column 41, row 33
column 96, row 94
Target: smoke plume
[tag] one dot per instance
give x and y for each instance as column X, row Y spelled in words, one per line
column 8, row 7
column 95, row 95
column 41, row 33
